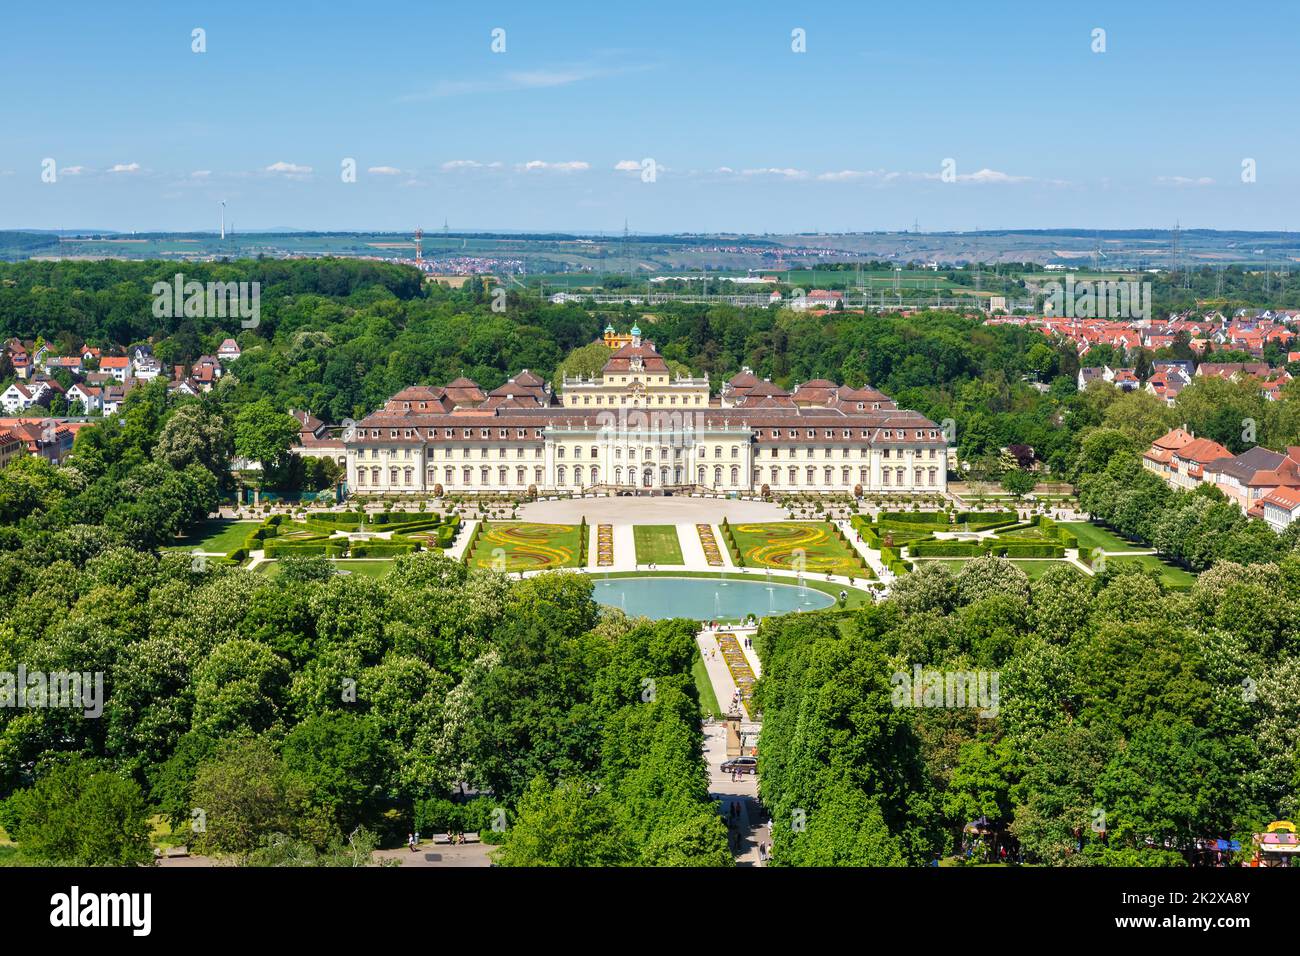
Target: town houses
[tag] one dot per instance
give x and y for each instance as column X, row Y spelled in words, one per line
column 90, row 381
column 1261, row 482
column 1263, row 334
column 636, row 427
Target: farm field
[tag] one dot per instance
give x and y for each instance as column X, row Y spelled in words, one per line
column 657, row 544
column 526, row 546
column 780, row 544
column 1092, row 536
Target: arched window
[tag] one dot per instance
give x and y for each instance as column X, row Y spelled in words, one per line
column 699, row 476
column 717, row 476
column 735, row 476
column 559, row 475
column 595, row 475
column 577, row 474
column 618, row 476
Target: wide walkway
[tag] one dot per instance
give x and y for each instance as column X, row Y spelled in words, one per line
column 737, row 797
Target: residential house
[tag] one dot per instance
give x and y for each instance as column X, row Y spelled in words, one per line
column 119, row 366
column 205, row 371
column 91, row 397
column 1090, row 374
column 147, row 368
column 17, row 397
column 228, row 351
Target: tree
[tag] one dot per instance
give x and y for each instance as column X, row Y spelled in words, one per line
column 80, row 813
column 570, row 824
column 244, row 795
column 194, row 434
column 263, row 434
column 1019, row 482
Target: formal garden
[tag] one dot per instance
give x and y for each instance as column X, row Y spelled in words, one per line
column 812, row 547
column 527, row 546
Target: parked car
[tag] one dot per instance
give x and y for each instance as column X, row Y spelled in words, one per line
column 741, row 764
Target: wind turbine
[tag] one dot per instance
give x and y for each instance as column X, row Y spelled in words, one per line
column 223, row 219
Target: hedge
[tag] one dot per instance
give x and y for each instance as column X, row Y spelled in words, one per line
column 329, row 548
column 947, row 549
column 915, row 517
column 333, row 520
column 382, row 549
column 396, row 517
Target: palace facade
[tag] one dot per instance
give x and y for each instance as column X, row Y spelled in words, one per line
column 638, row 427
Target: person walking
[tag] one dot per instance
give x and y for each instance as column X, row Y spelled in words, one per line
column 410, row 842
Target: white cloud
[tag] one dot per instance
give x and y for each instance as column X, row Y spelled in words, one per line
column 384, row 171
column 846, row 175
column 990, row 176
column 785, row 173
column 461, row 164
column 628, row 166
column 125, row 168
column 201, row 174
column 72, row 170
column 538, row 165
column 1185, row 180
column 290, row 169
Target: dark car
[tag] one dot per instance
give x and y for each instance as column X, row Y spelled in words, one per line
column 740, row 764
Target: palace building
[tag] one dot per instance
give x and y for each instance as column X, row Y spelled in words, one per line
column 638, row 427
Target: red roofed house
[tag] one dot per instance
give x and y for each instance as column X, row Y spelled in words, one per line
column 1188, row 463
column 119, row 366
column 1159, row 457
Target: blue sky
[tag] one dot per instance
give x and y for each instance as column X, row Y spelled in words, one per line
column 745, row 134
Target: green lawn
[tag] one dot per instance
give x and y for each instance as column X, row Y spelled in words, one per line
column 363, row 567
column 786, row 544
column 1091, row 536
column 704, row 687
column 1170, row 575
column 657, row 544
column 216, row 535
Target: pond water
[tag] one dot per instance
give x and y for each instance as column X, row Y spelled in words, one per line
column 706, row 599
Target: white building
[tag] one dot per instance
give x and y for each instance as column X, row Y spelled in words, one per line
column 638, row 427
